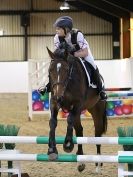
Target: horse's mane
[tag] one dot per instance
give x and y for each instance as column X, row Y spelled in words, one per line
column 64, row 50
column 60, row 53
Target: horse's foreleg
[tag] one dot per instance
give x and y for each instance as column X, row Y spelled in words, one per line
column 68, row 143
column 52, row 150
column 79, row 133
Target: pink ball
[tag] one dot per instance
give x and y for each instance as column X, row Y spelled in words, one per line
column 118, row 110
column 37, row 106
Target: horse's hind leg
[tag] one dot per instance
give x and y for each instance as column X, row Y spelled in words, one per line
column 100, row 124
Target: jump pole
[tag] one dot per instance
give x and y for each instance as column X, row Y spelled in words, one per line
column 68, row 158
column 60, row 140
column 120, row 94
column 118, row 89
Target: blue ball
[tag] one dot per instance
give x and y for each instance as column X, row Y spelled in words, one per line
column 118, row 102
column 109, row 112
column 35, row 95
column 46, row 104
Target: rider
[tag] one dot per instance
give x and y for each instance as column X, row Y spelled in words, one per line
column 64, row 27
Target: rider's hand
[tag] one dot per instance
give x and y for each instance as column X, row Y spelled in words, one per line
column 76, row 54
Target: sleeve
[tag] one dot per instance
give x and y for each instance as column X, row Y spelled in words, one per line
column 56, row 42
column 81, row 41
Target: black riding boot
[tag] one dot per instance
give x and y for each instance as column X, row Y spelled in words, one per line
column 45, row 89
column 97, row 80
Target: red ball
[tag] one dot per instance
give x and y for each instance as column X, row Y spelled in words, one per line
column 118, row 110
column 65, row 113
column 127, row 109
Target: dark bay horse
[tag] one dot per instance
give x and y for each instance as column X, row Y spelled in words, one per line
column 70, row 91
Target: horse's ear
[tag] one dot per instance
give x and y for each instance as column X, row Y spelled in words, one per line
column 51, row 54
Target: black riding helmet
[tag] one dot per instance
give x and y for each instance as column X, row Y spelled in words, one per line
column 64, row 22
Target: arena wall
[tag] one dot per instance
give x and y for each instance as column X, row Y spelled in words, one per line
column 116, row 73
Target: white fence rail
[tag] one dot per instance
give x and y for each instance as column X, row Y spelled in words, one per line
column 38, row 77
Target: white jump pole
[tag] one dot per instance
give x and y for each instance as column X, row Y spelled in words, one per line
column 60, row 140
column 68, row 158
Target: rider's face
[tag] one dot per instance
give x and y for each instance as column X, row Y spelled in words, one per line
column 60, row 31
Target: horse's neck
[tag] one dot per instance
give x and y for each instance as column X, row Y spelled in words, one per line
column 78, row 76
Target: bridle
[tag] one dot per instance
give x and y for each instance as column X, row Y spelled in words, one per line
column 64, row 83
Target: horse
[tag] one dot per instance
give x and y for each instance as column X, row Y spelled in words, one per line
column 70, row 91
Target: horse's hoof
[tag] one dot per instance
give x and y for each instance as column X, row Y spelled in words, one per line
column 53, row 157
column 81, row 167
column 98, row 168
column 52, row 154
column 68, row 147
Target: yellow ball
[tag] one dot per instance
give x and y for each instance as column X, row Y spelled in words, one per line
column 127, row 101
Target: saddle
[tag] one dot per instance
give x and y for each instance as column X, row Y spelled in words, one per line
column 90, row 71
column 93, row 76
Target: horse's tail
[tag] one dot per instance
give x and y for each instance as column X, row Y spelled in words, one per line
column 105, row 122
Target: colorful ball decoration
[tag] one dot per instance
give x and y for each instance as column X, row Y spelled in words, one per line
column 110, row 112
column 118, row 110
column 37, row 106
column 60, row 115
column 35, row 95
column 46, row 104
column 110, row 105
column 46, row 96
column 40, row 102
column 127, row 101
column 122, row 105
column 42, row 97
column 117, row 102
column 127, row 109
column 65, row 114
